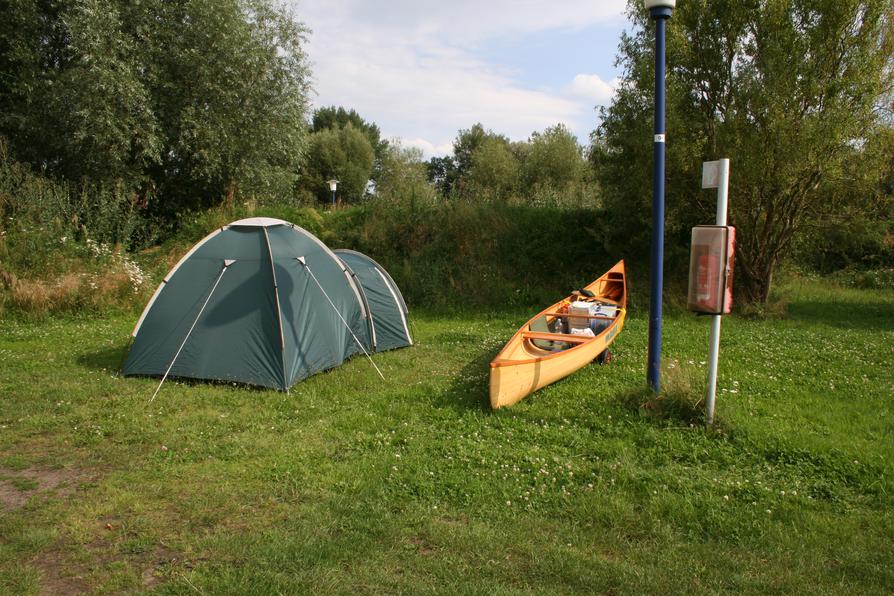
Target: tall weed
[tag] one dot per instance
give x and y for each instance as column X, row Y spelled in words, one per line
column 62, row 246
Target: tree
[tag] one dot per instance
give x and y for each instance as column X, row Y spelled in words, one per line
column 100, row 121
column 859, row 233
column 337, row 117
column 785, row 88
column 229, row 79
column 554, row 158
column 189, row 102
column 344, row 153
column 71, row 101
column 404, row 175
column 441, row 172
column 451, row 174
column 494, row 170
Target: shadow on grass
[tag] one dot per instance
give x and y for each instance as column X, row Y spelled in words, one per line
column 470, row 389
column 109, row 359
column 845, row 315
column 113, row 358
column 191, row 382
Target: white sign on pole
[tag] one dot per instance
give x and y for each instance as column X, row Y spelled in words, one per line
column 711, row 174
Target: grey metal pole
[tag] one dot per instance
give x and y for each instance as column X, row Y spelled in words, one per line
column 714, row 354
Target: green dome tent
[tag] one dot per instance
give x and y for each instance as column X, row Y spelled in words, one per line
column 386, row 304
column 259, row 301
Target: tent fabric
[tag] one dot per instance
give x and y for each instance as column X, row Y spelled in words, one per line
column 386, row 304
column 269, row 320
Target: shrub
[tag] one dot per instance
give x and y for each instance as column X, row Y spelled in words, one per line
column 465, row 253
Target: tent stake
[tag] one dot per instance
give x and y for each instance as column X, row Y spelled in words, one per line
column 306, row 266
column 227, row 263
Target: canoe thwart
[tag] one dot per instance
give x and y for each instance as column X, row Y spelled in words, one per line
column 576, row 316
column 566, row 337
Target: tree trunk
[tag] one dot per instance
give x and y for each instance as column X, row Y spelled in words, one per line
column 230, row 197
column 756, row 282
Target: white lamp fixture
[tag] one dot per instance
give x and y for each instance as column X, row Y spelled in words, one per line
column 650, row 4
column 333, row 184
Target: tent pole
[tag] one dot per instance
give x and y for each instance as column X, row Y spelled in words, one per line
column 227, row 263
column 359, row 343
column 282, row 335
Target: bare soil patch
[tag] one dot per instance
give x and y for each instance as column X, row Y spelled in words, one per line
column 17, row 487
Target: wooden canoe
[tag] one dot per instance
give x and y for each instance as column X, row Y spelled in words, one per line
column 522, row 367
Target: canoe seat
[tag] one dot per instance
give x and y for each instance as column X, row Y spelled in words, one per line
column 539, row 325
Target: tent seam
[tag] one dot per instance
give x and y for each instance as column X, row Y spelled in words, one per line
column 372, row 325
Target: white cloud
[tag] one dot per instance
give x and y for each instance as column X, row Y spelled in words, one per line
column 428, row 148
column 412, row 68
column 591, row 86
column 460, row 21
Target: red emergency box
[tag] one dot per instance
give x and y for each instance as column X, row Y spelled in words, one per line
column 711, row 269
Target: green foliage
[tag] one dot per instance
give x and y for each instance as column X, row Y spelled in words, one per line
column 403, row 176
column 466, row 144
column 231, row 81
column 785, row 89
column 182, row 103
column 849, row 239
column 872, row 279
column 857, row 232
column 554, row 159
column 494, row 172
column 331, row 117
column 441, row 172
column 546, row 170
column 99, row 112
column 343, row 153
column 38, row 211
column 463, row 253
column 62, row 245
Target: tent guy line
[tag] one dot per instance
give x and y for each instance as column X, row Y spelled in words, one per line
column 227, row 263
column 306, row 266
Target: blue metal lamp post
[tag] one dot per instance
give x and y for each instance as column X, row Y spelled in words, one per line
column 660, row 12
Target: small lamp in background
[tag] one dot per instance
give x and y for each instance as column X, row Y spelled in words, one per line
column 333, row 184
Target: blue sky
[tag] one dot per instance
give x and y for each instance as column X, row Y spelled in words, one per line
column 422, row 70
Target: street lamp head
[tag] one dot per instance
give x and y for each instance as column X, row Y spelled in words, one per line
column 333, row 184
column 660, row 9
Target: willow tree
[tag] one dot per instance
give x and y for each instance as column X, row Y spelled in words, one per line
column 185, row 101
column 788, row 89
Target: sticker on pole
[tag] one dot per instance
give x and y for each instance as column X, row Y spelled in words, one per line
column 711, row 174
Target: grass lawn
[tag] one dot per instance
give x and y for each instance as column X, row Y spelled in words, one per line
column 351, row 484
